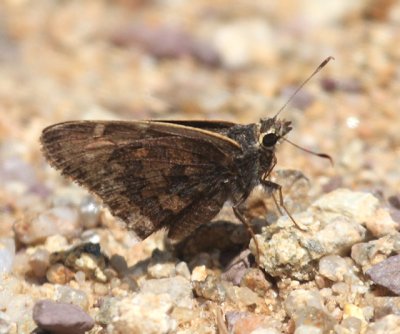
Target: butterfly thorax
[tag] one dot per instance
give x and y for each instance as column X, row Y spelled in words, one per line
column 258, row 142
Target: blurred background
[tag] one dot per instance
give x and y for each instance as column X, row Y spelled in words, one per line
column 220, row 59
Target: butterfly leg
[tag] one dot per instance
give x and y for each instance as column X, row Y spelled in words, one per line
column 239, row 215
column 277, row 187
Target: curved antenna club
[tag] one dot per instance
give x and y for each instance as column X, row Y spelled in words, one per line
column 321, row 155
column 319, row 68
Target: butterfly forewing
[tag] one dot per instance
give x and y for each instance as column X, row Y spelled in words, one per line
column 150, row 174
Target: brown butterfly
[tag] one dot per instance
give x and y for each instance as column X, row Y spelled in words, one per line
column 167, row 174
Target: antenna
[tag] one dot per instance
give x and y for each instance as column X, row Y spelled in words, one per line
column 321, row 155
column 319, row 68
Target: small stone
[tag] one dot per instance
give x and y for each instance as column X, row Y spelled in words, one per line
column 66, row 294
column 386, row 325
column 353, row 318
column 387, row 274
column 5, row 323
column 308, row 329
column 59, row 274
column 7, row 255
column 367, row 254
column 211, row 289
column 333, row 267
column 384, row 306
column 381, row 223
column 357, row 206
column 56, row 243
column 184, row 314
column 182, row 269
column 178, row 288
column 161, row 270
column 199, row 273
column 267, row 330
column 39, row 262
column 299, row 299
column 330, row 226
column 61, row 318
column 237, row 268
column 315, row 319
column 255, row 280
column 247, row 323
column 58, row 220
column 351, row 325
column 241, row 295
column 89, row 212
column 145, row 313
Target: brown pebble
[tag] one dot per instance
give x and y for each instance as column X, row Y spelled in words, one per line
column 61, row 318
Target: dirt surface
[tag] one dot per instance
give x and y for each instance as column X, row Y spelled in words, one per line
column 214, row 60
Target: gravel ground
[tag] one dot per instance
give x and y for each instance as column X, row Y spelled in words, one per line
column 68, row 266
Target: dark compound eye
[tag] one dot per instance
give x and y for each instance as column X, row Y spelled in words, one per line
column 269, row 140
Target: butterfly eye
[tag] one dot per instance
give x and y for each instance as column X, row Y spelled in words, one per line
column 269, row 140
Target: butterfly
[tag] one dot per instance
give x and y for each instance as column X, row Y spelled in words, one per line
column 174, row 175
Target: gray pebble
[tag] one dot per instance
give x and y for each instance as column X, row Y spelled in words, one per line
column 387, row 274
column 333, row 267
column 61, row 318
column 179, row 289
column 89, row 212
column 299, row 299
column 329, row 226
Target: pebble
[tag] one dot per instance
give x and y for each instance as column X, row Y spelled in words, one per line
column 199, row 273
column 255, row 280
column 386, row 325
column 182, row 269
column 144, row 313
column 353, row 318
column 363, row 208
column 7, row 255
column 59, row 274
column 316, row 320
column 331, row 226
column 357, row 206
column 237, row 268
column 241, row 296
column 58, row 220
column 39, row 262
column 61, row 318
column 387, row 274
column 246, row 322
column 178, row 288
column 367, row 254
column 299, row 299
column 333, row 267
column 161, row 270
column 211, row 288
column 5, row 323
column 66, row 294
column 383, row 306
column 89, row 212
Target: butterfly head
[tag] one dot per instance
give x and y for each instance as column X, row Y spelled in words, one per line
column 271, row 131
